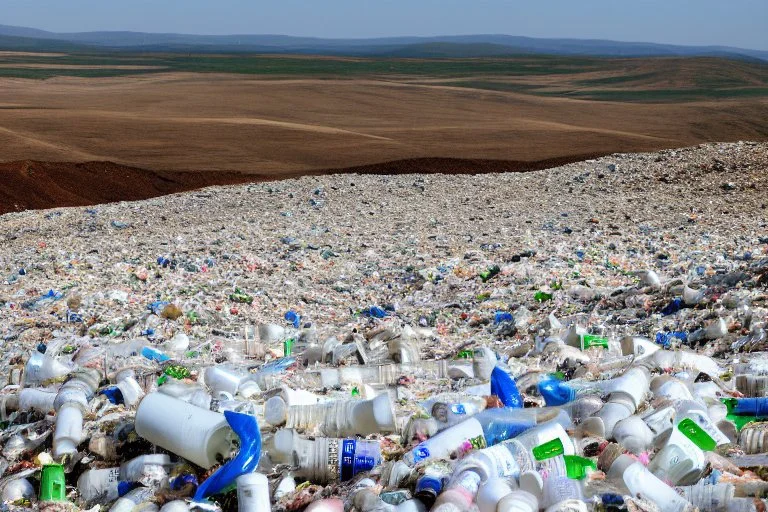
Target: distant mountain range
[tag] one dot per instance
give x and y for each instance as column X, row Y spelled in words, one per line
column 489, row 45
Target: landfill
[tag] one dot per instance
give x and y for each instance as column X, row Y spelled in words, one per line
column 585, row 338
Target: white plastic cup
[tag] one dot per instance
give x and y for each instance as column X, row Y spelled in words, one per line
column 271, row 333
column 638, row 346
column 633, row 434
column 298, row 396
column 286, row 486
column 491, row 492
column 223, row 380
column 680, row 461
column 518, row 501
column 198, row 435
column 175, row 506
column 131, row 391
column 16, row 489
column 253, row 493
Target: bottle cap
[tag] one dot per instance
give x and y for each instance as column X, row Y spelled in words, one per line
column 275, row 411
column 577, row 467
column 52, row 483
column 549, row 449
column 590, row 340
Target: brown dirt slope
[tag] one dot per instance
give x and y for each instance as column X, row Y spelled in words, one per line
column 27, row 185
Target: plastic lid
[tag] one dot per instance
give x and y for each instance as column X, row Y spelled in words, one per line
column 549, row 449
column 698, row 435
column 275, row 411
column 590, row 340
column 576, row 467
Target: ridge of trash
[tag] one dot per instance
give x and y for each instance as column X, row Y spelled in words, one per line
column 590, row 337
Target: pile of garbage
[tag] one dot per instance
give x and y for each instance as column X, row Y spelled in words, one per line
column 397, row 343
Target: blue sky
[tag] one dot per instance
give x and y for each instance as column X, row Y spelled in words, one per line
column 742, row 23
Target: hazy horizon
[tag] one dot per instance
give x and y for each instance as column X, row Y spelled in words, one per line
column 684, row 22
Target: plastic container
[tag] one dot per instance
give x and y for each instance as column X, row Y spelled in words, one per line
column 338, row 418
column 99, row 485
column 518, row 501
column 131, row 391
column 17, row 489
column 253, row 493
column 223, row 380
column 42, row 369
column 32, row 399
column 710, row 497
column 325, row 460
column 491, row 492
column 639, row 481
column 198, row 435
column 149, row 470
column 486, row 428
column 70, row 403
column 679, row 461
column 459, row 493
column 131, row 501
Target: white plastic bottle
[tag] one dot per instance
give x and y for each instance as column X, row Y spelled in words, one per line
column 324, row 460
column 71, row 403
column 133, row 499
column 710, row 497
column 337, row 418
column 34, row 399
column 638, row 480
column 99, row 484
column 41, row 369
column 149, row 470
column 441, row 446
column 198, row 435
column 130, row 389
column 459, row 493
column 253, row 493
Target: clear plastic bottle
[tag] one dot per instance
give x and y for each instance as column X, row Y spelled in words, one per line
column 450, row 409
column 337, row 418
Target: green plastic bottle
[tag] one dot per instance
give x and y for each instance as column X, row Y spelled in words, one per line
column 52, row 483
column 549, row 449
column 287, row 347
column 698, row 435
column 577, row 467
column 590, row 340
